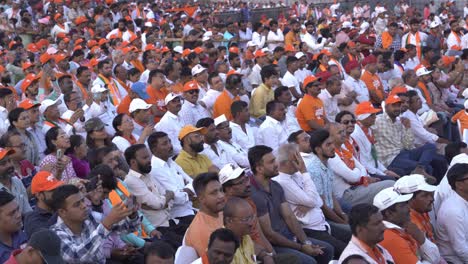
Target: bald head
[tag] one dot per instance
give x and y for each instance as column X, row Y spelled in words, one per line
column 239, row 216
column 337, row 132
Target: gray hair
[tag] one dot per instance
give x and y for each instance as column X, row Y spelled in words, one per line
column 284, row 152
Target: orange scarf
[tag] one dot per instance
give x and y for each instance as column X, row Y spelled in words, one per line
column 138, row 64
column 373, row 252
column 124, row 85
column 387, row 40
column 426, row 222
column 346, row 156
column 322, row 68
column 131, row 139
column 113, row 91
column 426, row 93
column 456, row 47
column 82, row 89
column 418, row 42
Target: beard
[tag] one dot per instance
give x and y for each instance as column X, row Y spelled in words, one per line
column 197, row 147
column 144, row 168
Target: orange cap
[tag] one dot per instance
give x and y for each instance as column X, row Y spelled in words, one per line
column 61, row 35
column 150, row 47
column 311, row 79
column 447, row 60
column 27, row 65
column 365, row 107
column 188, row 130
column 133, row 38
column 93, row 62
column 78, row 41
column 92, row 43
column 102, row 41
column 6, row 151
column 290, row 48
column 198, row 50
column 60, row 57
column 44, row 181
column 44, row 58
column 30, row 78
column 186, row 52
column 234, row 50
column 77, row 48
column 393, row 99
column 31, row 47
column 188, row 86
column 11, row 44
column 80, row 20
column 27, row 104
column 232, row 72
column 57, row 16
column 259, row 53
column 41, row 43
column 398, row 90
column 165, row 49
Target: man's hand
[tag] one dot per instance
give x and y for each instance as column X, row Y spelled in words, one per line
column 79, row 113
column 312, row 250
column 373, row 179
column 156, row 233
column 298, row 162
column 301, row 211
column 405, row 122
column 415, row 232
column 148, row 130
column 190, row 194
column 117, row 214
column 169, row 195
column 392, row 174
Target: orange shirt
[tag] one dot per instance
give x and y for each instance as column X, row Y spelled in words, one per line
column 200, row 229
column 291, row 39
column 222, row 105
column 156, row 97
column 423, row 222
column 373, row 84
column 461, row 116
column 401, row 246
column 177, row 87
column 310, row 108
column 124, row 105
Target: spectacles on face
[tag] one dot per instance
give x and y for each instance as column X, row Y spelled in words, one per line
column 245, row 220
column 347, row 122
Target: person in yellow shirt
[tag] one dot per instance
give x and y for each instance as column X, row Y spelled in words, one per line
column 264, row 93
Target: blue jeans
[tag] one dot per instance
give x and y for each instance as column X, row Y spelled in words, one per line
column 325, row 258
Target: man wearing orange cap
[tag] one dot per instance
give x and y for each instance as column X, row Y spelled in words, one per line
column 30, row 87
column 191, row 110
column 12, row 184
column 35, row 129
column 42, row 186
column 261, row 60
column 310, row 111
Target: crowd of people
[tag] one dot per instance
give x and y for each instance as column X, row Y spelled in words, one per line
column 146, row 132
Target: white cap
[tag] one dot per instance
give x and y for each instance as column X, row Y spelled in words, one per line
column 52, row 50
column 183, row 16
column 364, row 26
column 229, row 172
column 138, row 104
column 422, row 71
column 197, row 69
column 461, row 158
column 170, row 97
column 299, row 55
column 388, row 197
column 98, row 89
column 434, row 24
column 347, row 24
column 465, row 104
column 220, row 119
column 413, row 183
column 178, row 49
column 207, row 35
column 148, row 24
column 251, row 44
column 465, row 93
column 46, row 103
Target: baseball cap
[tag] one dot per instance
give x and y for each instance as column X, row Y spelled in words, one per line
column 364, row 26
column 138, row 104
column 44, row 181
column 323, row 76
column 188, row 130
column 60, row 57
column 234, row 50
column 94, row 124
column 178, row 49
column 30, row 78
column 299, row 55
column 98, row 89
column 388, row 197
column 46, row 104
column 48, row 243
column 27, row 65
column 434, row 24
column 366, row 107
column 170, row 97
column 351, row 65
column 140, row 89
column 311, row 79
column 369, row 60
column 413, row 183
column 197, row 69
column 229, row 172
column 186, row 52
column 421, row 70
column 6, row 151
column 259, row 53
column 188, row 86
column 27, row 104
column 44, row 58
column 347, row 24
column 392, row 100
column 398, row 90
column 233, row 72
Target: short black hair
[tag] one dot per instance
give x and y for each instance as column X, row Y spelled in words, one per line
column 291, row 59
column 106, row 175
column 153, row 73
column 256, row 154
column 348, row 259
column 200, row 182
column 411, row 94
column 317, row 137
column 456, row 173
column 225, row 235
column 159, row 248
column 130, row 152
column 5, row 197
column 95, row 155
column 268, row 71
column 341, row 114
column 453, row 149
column 61, row 193
column 154, row 137
column 280, row 90
column 237, row 107
column 103, row 62
column 293, row 136
column 205, row 122
column 5, row 92
column 360, row 215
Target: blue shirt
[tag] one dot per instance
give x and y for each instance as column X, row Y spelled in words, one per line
column 19, row 238
column 321, row 175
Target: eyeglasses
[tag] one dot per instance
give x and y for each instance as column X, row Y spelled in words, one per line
column 246, row 220
column 346, row 122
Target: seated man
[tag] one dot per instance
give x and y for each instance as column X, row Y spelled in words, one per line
column 10, row 226
column 274, row 130
column 368, row 231
column 451, row 228
column 277, row 220
column 264, row 93
column 222, row 246
column 237, row 153
column 353, row 183
column 394, row 142
column 171, row 123
column 159, row 252
column 82, row 234
column 303, row 198
column 402, row 238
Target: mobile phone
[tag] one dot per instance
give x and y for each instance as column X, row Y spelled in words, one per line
column 59, row 154
column 130, row 202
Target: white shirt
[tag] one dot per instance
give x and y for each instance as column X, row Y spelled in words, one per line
column 246, row 139
column 289, row 80
column 150, row 194
column 424, row 107
column 411, row 63
column 220, row 159
column 410, row 38
column 301, row 74
column 274, row 36
column 171, row 124
column 272, row 133
column 453, row 41
column 4, row 122
column 312, row 43
column 255, row 77
column 451, row 229
column 464, row 41
column 122, row 143
column 291, row 120
column 421, row 135
column 172, row 177
column 365, row 156
column 57, row 29
column 258, row 40
column 354, row 248
column 191, row 113
column 358, row 86
column 244, row 37
column 236, row 153
column 299, row 189
column 330, row 104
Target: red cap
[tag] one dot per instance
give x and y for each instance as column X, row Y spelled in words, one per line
column 188, row 86
column 234, row 50
column 60, row 57
column 6, row 151
column 26, row 65
column 44, row 58
column 369, row 60
column 31, row 47
column 30, row 78
column 27, row 104
column 365, row 107
column 324, row 76
column 44, row 181
column 351, row 65
column 259, row 53
column 393, row 99
column 310, row 79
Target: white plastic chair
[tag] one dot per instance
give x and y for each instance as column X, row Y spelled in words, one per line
column 463, row 134
column 185, row 255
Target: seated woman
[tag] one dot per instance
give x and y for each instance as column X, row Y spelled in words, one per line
column 77, row 153
column 124, row 137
